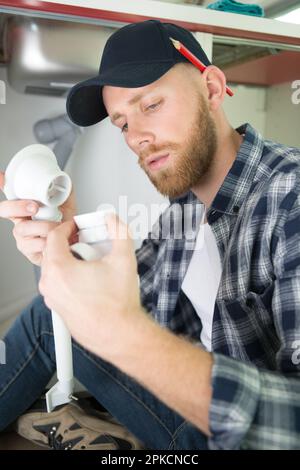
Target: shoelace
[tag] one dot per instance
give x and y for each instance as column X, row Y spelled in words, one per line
column 55, row 442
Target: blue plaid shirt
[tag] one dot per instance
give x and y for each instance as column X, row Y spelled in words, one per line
column 255, row 218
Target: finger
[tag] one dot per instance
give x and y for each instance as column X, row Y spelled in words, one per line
column 23, row 208
column 119, row 234
column 2, row 180
column 32, row 228
column 68, row 208
column 17, row 220
column 57, row 247
column 31, row 246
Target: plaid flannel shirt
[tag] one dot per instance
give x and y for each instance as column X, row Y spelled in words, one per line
column 255, row 218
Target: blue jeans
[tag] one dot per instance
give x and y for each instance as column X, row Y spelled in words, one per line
column 30, row 364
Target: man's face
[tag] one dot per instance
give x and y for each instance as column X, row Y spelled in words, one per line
column 168, row 126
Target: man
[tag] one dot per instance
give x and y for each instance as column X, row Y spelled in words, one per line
column 234, row 285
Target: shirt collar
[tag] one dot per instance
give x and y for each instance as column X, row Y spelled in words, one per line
column 239, row 179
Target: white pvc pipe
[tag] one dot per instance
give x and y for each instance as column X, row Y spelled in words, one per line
column 62, row 391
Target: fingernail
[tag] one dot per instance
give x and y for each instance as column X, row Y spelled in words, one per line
column 31, row 208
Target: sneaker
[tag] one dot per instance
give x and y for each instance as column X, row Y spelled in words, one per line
column 75, row 426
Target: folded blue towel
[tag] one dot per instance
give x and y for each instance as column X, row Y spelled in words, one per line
column 237, row 7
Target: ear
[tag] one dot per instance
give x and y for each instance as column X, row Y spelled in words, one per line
column 215, row 84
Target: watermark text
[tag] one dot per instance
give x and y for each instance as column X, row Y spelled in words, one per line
column 2, row 352
column 296, row 353
column 2, row 92
column 296, row 94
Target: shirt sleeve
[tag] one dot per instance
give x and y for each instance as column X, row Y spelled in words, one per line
column 253, row 408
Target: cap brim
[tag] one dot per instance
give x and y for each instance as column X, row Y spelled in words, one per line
column 85, row 105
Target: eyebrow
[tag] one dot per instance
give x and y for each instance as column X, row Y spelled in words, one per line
column 133, row 100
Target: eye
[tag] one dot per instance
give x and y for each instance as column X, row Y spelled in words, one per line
column 124, row 128
column 153, row 106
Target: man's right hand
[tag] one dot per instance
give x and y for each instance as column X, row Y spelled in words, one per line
column 31, row 235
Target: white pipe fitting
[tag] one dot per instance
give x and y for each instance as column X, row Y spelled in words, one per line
column 33, row 173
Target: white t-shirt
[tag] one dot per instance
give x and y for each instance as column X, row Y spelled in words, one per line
column 202, row 279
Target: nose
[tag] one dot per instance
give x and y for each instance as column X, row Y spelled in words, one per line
column 138, row 137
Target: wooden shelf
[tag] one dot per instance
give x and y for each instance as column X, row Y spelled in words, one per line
column 270, row 70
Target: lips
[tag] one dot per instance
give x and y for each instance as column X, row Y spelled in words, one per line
column 156, row 162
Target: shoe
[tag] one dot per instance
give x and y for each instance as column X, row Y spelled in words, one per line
column 75, row 426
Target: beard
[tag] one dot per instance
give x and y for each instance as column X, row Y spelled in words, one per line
column 191, row 160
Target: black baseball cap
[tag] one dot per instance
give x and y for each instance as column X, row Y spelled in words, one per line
column 134, row 56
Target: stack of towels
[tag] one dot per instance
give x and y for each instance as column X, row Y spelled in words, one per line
column 237, row 7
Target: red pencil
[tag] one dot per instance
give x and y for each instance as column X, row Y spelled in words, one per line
column 193, row 59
